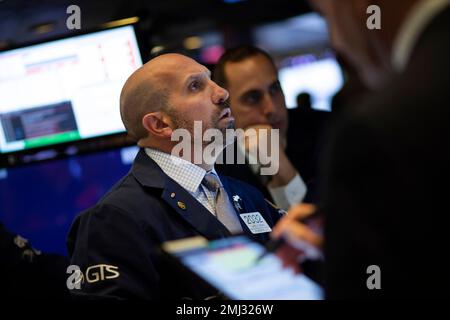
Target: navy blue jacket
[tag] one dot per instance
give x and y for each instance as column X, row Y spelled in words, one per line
column 116, row 243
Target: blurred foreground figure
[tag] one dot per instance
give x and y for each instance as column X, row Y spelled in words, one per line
column 386, row 172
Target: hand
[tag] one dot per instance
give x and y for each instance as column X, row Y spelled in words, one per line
column 253, row 138
column 267, row 127
column 286, row 171
column 301, row 240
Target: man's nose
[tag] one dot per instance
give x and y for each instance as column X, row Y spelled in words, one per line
column 220, row 95
column 269, row 105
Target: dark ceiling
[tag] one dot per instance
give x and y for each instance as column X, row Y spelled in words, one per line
column 161, row 18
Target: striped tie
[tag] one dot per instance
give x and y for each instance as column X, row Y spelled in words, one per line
column 223, row 208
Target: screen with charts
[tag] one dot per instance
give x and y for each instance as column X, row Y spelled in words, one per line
column 231, row 265
column 65, row 90
column 319, row 75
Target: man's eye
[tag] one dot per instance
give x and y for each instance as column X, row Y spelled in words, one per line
column 195, row 86
column 253, row 98
column 275, row 88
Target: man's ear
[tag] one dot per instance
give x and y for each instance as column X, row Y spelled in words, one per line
column 158, row 124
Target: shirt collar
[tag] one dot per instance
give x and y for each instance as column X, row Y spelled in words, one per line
column 185, row 173
column 413, row 26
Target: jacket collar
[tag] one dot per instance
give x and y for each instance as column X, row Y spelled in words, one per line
column 147, row 172
column 150, row 175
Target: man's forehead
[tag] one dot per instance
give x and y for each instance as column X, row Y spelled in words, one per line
column 200, row 72
column 249, row 66
column 192, row 68
column 250, row 74
column 181, row 70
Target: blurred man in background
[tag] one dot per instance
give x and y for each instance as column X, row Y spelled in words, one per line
column 257, row 102
column 304, row 101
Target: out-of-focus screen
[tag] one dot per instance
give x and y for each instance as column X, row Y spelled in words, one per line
column 65, row 90
column 39, row 201
column 230, row 265
column 318, row 75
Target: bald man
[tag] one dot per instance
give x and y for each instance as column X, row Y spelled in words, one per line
column 165, row 196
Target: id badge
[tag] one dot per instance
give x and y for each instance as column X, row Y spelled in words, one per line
column 255, row 222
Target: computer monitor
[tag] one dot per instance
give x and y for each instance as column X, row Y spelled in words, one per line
column 65, row 90
column 319, row 75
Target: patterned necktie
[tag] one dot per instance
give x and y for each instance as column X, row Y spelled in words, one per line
column 224, row 211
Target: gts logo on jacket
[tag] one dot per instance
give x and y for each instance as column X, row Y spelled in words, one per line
column 93, row 274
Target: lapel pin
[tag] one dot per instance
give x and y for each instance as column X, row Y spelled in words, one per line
column 172, row 195
column 181, row 205
column 237, row 202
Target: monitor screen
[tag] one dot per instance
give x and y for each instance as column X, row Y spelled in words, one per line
column 65, row 90
column 320, row 76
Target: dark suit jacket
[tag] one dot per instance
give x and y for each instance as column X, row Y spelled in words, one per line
column 127, row 226
column 387, row 178
column 305, row 140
